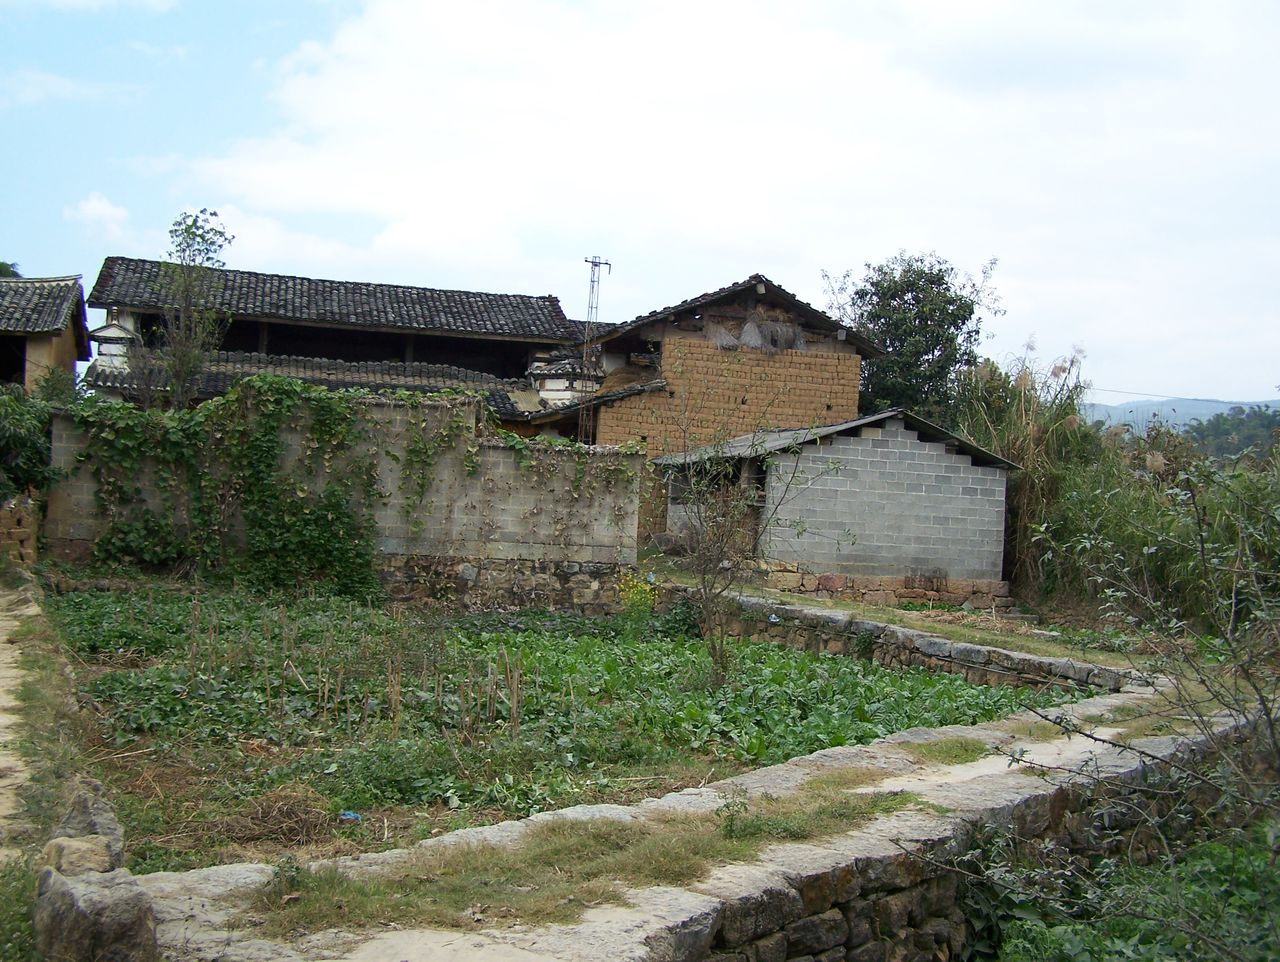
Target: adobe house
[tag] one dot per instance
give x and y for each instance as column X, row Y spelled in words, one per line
column 743, row 358
column 342, row 333
column 747, row 357
column 880, row 509
column 42, row 327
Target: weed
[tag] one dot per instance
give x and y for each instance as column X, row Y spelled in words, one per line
column 949, row 751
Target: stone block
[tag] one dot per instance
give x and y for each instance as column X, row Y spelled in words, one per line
column 771, row 948
column 756, row 902
column 91, row 814
column 104, row 917
column 817, row 933
column 77, row 856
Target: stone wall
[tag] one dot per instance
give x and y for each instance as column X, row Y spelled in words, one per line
column 716, row 394
column 19, row 528
column 870, row 590
column 489, row 584
column 842, row 633
column 479, row 502
column 886, row 504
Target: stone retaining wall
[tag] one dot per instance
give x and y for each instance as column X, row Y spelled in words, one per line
column 19, row 527
column 839, row 632
column 871, row 590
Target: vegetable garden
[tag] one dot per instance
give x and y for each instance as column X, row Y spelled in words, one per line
column 229, row 725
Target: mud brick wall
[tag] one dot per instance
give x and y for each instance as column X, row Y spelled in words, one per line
column 885, row 503
column 715, row 394
column 484, row 501
column 19, row 527
column 841, row 633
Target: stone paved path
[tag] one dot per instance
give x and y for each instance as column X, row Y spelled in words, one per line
column 14, row 606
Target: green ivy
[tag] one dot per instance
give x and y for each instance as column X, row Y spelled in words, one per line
column 217, row 484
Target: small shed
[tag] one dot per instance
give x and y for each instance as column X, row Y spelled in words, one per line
column 890, row 496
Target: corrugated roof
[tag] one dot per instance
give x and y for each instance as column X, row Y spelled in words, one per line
column 810, row 313
column 40, row 305
column 767, row 442
column 127, row 282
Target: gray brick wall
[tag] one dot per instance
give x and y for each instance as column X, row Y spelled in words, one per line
column 888, row 504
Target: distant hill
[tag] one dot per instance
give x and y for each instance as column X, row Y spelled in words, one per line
column 1175, row 413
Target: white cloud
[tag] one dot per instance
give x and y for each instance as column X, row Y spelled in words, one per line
column 29, row 88
column 158, row 6
column 1116, row 158
column 98, row 214
column 159, row 54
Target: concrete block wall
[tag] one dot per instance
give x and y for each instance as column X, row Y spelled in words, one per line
column 886, row 504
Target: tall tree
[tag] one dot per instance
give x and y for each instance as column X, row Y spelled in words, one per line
column 9, row 269
column 928, row 317
column 193, row 323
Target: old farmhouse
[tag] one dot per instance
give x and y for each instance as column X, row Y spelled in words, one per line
column 750, row 366
column 42, row 328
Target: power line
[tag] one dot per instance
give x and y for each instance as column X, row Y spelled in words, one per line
column 1167, row 397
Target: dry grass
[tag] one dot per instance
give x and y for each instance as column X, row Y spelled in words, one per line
column 560, row 868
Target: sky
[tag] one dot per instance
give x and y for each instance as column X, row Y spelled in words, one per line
column 1119, row 160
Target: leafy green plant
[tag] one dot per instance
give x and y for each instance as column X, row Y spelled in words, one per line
column 24, row 442
column 17, row 890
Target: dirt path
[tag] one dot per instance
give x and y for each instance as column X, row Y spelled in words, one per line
column 14, row 606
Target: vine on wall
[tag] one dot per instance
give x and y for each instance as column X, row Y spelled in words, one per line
column 277, row 480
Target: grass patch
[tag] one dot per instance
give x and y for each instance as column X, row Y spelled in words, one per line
column 1034, row 731
column 949, row 751
column 210, row 711
column 17, row 885
column 560, row 868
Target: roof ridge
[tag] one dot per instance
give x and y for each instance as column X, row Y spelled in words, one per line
column 63, row 278
column 335, row 280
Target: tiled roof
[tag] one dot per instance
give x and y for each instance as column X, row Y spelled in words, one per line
column 40, row 305
column 814, row 316
column 227, row 367
column 131, row 283
column 561, row 368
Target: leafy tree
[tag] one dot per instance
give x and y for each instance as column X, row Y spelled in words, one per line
column 193, row 326
column 9, row 269
column 1225, row 435
column 927, row 316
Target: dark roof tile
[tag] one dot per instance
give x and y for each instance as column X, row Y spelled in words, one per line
column 40, row 305
column 132, row 283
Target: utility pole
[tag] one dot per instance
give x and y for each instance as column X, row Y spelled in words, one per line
column 590, row 354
